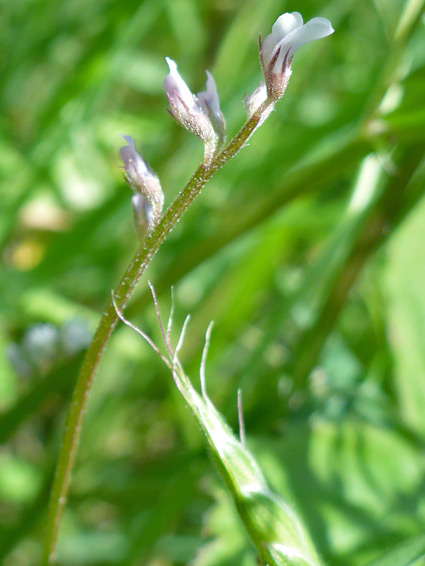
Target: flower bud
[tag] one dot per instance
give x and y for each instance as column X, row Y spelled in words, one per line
column 142, row 215
column 278, row 48
column 200, row 114
column 253, row 102
column 148, row 199
column 211, row 103
column 184, row 105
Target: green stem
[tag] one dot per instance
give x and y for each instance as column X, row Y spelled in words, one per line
column 109, row 319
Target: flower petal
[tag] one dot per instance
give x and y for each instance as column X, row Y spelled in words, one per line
column 175, row 85
column 285, row 24
column 209, row 97
column 134, row 165
column 317, row 28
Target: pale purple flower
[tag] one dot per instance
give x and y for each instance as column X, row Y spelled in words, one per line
column 200, row 114
column 148, row 199
column 185, row 106
column 278, row 48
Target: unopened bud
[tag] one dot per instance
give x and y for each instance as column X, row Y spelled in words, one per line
column 253, row 101
column 200, row 114
column 142, row 215
column 148, row 199
column 211, row 103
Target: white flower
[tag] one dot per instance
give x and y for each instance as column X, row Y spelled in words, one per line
column 200, row 114
column 149, row 198
column 278, row 48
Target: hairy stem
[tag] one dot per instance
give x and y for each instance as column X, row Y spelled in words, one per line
column 109, row 319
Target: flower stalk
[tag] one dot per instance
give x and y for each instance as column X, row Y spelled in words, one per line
column 200, row 114
column 121, row 296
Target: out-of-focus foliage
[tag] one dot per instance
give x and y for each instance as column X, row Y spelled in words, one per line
column 307, row 251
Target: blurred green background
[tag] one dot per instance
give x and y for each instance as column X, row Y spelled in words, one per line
column 307, row 250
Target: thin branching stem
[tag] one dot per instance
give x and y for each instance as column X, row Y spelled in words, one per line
column 142, row 334
column 110, row 317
